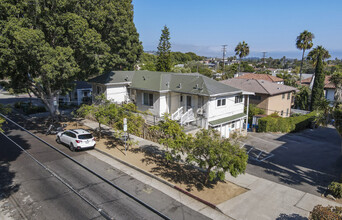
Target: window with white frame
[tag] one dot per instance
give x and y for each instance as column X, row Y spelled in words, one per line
column 148, row 99
column 221, row 102
column 238, row 99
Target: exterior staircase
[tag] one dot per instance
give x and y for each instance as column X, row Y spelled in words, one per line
column 183, row 118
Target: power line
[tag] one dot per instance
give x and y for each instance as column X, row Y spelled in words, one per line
column 264, row 58
column 223, row 54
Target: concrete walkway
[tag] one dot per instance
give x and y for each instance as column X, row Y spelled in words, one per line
column 264, row 200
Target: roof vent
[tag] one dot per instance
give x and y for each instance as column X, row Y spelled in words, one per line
column 126, row 78
column 196, row 87
column 179, row 86
column 278, row 88
column 144, row 78
column 168, row 85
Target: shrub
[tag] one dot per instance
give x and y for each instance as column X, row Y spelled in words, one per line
column 326, row 213
column 336, row 189
column 28, row 108
column 292, row 124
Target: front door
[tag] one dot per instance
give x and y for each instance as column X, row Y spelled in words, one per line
column 188, row 102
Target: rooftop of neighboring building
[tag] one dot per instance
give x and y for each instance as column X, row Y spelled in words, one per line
column 327, row 83
column 259, row 86
column 266, row 77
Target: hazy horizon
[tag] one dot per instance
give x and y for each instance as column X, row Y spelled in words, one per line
column 272, row 26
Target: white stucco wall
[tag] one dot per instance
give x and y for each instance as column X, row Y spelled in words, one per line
column 155, row 109
column 163, row 103
column 116, row 93
column 231, row 108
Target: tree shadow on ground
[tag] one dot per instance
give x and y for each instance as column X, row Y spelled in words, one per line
column 283, row 216
column 176, row 172
column 311, row 157
column 9, row 153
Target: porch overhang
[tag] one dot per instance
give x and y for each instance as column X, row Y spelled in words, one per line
column 227, row 119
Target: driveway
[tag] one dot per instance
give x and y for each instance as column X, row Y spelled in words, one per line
column 307, row 161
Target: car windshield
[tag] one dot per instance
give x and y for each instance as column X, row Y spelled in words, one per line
column 85, row 136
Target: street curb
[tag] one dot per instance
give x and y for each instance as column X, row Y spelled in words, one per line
column 161, row 180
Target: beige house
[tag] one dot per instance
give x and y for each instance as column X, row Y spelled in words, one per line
column 271, row 97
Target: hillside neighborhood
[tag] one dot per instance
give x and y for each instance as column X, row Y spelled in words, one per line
column 97, row 125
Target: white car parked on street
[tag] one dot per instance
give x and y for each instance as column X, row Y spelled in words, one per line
column 76, row 139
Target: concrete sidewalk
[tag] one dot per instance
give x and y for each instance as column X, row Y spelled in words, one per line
column 269, row 200
column 264, row 200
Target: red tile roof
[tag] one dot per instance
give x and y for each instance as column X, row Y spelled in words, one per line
column 260, row 77
column 327, row 83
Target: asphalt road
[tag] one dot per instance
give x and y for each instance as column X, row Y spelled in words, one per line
column 39, row 195
column 308, row 160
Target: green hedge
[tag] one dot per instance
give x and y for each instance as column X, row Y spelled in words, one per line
column 28, row 108
column 285, row 125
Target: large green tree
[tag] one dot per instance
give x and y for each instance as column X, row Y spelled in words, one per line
column 46, row 45
column 318, row 86
column 216, row 155
column 241, row 50
column 304, row 42
column 164, row 61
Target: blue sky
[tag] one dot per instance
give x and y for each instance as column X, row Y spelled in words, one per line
column 202, row 26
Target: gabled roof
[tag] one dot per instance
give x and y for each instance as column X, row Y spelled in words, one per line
column 260, row 77
column 191, row 83
column 259, row 86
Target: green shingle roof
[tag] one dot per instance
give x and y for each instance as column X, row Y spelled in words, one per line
column 114, row 77
column 191, row 83
column 226, row 119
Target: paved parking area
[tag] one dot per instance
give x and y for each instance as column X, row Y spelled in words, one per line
column 307, row 161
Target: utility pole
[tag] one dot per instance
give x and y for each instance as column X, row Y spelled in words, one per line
column 264, row 58
column 224, row 53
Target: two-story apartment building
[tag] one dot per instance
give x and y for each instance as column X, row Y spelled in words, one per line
column 187, row 98
column 271, row 97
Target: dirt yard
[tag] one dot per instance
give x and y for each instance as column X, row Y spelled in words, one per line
column 151, row 160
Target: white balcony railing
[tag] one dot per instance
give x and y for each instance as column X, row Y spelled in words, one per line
column 188, row 116
column 177, row 114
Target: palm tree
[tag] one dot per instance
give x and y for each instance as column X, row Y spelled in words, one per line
column 304, row 42
column 242, row 50
column 313, row 54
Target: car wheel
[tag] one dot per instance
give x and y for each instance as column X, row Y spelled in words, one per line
column 58, row 140
column 72, row 148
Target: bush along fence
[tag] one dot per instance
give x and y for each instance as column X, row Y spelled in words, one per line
column 292, row 124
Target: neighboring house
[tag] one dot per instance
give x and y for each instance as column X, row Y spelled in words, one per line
column 265, row 77
column 81, row 91
column 188, row 98
column 271, row 97
column 329, row 87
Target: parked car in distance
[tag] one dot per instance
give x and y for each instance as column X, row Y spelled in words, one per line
column 76, row 139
